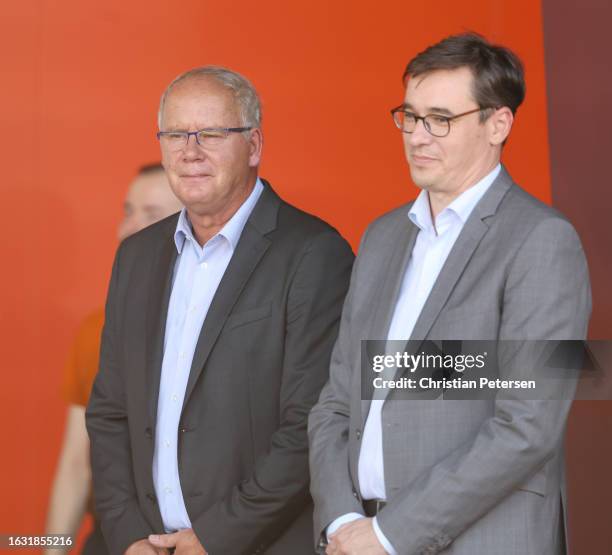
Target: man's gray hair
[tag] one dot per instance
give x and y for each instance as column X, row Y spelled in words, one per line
column 244, row 92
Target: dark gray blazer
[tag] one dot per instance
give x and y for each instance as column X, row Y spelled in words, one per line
column 462, row 477
column 260, row 362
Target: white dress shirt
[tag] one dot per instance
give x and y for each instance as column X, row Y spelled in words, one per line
column 431, row 249
column 197, row 274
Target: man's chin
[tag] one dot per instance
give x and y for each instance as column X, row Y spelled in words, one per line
column 421, row 179
column 191, row 196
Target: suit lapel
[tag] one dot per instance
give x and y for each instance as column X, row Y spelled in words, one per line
column 460, row 255
column 249, row 251
column 157, row 311
column 457, row 260
column 403, row 240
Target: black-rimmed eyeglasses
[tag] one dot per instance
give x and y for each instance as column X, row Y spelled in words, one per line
column 436, row 124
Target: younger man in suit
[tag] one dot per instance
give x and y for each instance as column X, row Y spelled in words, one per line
column 474, row 257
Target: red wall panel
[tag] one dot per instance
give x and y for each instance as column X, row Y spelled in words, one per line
column 81, row 83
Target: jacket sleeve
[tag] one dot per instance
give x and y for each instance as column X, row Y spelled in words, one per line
column 328, row 428
column 106, row 416
column 251, row 516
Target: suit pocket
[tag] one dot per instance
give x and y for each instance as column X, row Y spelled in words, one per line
column 247, row 316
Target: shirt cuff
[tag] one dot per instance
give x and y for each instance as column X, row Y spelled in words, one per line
column 348, row 517
column 382, row 538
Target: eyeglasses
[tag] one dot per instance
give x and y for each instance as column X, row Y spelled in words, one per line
column 437, row 125
column 208, row 137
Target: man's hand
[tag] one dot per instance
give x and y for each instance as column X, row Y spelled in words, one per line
column 144, row 547
column 355, row 538
column 184, row 541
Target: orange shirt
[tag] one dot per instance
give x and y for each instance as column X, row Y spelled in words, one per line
column 82, row 364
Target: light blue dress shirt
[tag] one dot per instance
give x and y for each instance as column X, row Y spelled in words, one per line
column 197, row 273
column 434, row 242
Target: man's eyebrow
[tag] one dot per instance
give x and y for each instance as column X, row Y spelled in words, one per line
column 436, row 110
column 429, row 110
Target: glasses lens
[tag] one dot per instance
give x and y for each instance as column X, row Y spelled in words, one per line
column 398, row 119
column 406, row 121
column 211, row 137
column 173, row 141
column 438, row 126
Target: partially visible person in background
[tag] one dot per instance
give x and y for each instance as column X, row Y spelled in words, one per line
column 148, row 200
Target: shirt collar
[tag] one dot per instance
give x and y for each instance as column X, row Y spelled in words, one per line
column 232, row 229
column 462, row 206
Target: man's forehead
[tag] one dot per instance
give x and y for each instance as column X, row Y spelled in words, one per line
column 440, row 88
column 205, row 100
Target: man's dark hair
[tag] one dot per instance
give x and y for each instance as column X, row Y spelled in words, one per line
column 498, row 72
column 149, row 169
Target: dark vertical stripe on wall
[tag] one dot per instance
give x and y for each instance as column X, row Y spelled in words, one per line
column 578, row 52
column 577, row 43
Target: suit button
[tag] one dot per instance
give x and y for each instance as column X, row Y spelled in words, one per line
column 151, row 498
column 355, row 494
column 358, row 434
column 148, row 432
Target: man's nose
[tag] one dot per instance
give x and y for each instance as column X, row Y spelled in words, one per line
column 192, row 150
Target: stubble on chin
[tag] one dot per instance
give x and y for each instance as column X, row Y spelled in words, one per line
column 420, row 180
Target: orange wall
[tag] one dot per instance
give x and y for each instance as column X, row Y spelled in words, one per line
column 81, row 82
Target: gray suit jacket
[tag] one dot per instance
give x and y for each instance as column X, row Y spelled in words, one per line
column 462, row 477
column 260, row 362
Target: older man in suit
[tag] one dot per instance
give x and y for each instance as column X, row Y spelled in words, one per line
column 219, row 327
column 474, row 257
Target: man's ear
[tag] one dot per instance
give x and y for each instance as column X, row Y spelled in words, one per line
column 255, row 145
column 499, row 125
